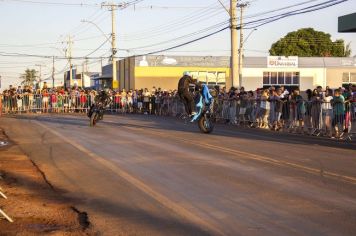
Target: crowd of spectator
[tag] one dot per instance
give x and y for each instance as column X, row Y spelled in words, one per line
column 321, row 111
column 317, row 112
column 26, row 99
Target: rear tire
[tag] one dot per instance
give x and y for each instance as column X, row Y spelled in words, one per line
column 206, row 125
column 93, row 119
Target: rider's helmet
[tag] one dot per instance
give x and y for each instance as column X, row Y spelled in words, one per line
column 102, row 92
column 186, row 73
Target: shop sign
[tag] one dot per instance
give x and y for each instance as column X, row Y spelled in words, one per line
column 282, row 62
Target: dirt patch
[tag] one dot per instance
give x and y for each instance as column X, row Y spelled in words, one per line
column 33, row 203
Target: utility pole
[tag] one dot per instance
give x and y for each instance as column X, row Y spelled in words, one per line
column 113, row 7
column 40, row 76
column 234, row 56
column 53, row 72
column 69, row 56
column 101, row 65
column 242, row 7
column 82, row 76
column 84, row 70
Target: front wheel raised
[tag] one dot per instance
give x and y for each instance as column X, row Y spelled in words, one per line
column 93, row 119
column 206, row 125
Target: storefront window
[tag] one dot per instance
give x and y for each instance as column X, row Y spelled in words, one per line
column 210, row 77
column 202, row 76
column 280, row 77
column 266, row 78
column 295, row 78
column 273, row 77
column 353, row 77
column 346, row 77
column 288, row 78
column 194, row 74
column 221, row 78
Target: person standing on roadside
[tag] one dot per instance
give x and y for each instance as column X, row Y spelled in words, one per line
column 327, row 112
column 339, row 112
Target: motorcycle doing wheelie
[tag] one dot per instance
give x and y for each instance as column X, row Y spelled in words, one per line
column 96, row 111
column 204, row 107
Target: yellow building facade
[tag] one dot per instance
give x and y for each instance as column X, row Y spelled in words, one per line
column 134, row 73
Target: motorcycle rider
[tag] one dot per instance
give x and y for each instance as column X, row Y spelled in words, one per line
column 104, row 98
column 186, row 96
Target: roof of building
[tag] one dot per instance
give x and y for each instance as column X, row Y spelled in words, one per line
column 248, row 62
column 183, row 61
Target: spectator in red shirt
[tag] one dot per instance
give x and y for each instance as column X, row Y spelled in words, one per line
column 83, row 101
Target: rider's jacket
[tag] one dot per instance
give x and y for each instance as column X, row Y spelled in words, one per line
column 185, row 81
column 103, row 97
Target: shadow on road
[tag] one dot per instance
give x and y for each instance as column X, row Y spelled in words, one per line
column 138, row 218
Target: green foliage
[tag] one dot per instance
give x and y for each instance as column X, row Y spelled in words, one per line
column 29, row 77
column 308, row 42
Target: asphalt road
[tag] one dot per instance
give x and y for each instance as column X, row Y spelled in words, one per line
column 143, row 175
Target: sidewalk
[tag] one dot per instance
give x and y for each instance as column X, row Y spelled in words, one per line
column 36, row 207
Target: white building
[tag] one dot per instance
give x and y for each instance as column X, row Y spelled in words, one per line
column 302, row 72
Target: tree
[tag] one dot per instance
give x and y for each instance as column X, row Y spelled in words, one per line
column 29, row 77
column 308, row 42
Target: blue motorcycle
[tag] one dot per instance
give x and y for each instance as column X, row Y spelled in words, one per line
column 204, row 108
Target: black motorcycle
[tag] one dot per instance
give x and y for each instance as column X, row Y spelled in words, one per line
column 96, row 113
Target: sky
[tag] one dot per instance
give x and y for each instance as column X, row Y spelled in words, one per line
column 42, row 27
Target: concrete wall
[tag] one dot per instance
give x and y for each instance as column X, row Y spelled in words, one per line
column 334, row 76
column 306, row 83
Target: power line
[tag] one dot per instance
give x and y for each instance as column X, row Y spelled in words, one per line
column 7, row 54
column 186, row 43
column 187, row 20
column 95, row 50
column 54, row 3
column 153, row 7
column 177, row 26
column 296, row 12
column 184, row 36
column 80, row 26
column 265, row 21
column 275, row 18
column 170, row 24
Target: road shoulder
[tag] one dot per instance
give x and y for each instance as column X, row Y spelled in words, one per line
column 33, row 203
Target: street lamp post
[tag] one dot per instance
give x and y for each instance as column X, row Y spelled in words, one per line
column 240, row 50
column 113, row 47
column 96, row 26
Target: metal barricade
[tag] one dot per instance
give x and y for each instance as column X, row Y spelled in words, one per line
column 2, row 213
column 349, row 121
column 311, row 117
column 1, row 98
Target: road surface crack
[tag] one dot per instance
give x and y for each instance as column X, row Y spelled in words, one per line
column 42, row 174
column 83, row 218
